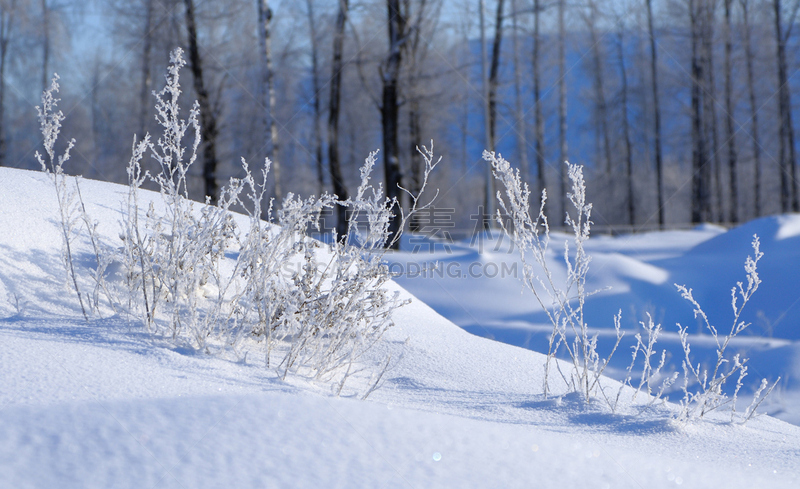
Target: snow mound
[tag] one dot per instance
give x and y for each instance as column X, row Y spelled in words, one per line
column 772, row 231
column 101, row 403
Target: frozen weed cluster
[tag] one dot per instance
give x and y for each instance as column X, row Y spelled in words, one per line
column 204, row 279
column 171, row 255
column 709, row 395
column 650, row 374
column 50, row 123
column 563, row 302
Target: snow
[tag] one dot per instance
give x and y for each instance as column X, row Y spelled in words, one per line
column 104, row 404
column 636, row 275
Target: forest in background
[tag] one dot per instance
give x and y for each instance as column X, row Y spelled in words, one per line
column 681, row 110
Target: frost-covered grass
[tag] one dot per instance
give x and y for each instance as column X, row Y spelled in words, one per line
column 206, row 280
column 105, row 403
column 477, row 285
column 564, row 301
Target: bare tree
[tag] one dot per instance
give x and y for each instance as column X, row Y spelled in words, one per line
column 701, row 175
column 730, row 134
column 147, row 29
column 146, row 83
column 601, row 106
column 208, row 119
column 748, row 52
column 709, row 96
column 334, row 105
column 417, row 53
column 656, row 115
column 494, row 73
column 562, row 105
column 53, row 20
column 316, row 89
column 626, row 126
column 45, row 45
column 7, row 12
column 489, row 80
column 521, row 129
column 390, row 108
column 268, row 93
column 625, row 81
column 488, row 200
column 786, row 159
column 537, row 99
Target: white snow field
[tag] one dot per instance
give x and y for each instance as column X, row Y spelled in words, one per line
column 103, row 404
column 476, row 286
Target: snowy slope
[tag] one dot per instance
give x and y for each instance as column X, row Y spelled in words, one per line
column 102, row 404
column 634, row 274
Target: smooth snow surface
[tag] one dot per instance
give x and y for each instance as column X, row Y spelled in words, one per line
column 103, row 404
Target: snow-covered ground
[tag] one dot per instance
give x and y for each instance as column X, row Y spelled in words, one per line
column 103, row 404
column 476, row 286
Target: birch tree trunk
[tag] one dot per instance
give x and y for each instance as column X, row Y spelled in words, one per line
column 709, row 97
column 786, row 158
column 146, row 82
column 656, row 116
column 748, row 53
column 626, row 131
column 599, row 87
column 268, row 94
column 730, row 134
column 315, row 87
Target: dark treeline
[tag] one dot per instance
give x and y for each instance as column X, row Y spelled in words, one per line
column 681, row 110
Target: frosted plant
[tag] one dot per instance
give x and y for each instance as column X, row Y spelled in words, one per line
column 315, row 309
column 709, row 395
column 102, row 255
column 50, row 122
column 192, row 275
column 335, row 308
column 562, row 302
column 344, row 300
column 267, row 301
column 646, row 347
column 174, row 258
column 137, row 250
column 71, row 208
